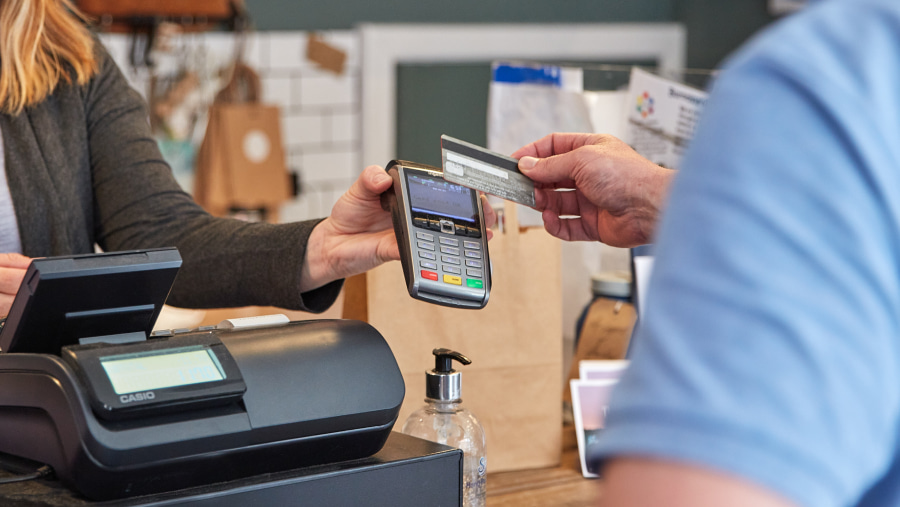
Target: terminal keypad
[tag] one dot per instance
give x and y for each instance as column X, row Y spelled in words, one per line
column 459, row 261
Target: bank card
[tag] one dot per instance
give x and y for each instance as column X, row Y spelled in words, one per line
column 481, row 169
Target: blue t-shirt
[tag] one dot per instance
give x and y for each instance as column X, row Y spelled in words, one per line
column 770, row 347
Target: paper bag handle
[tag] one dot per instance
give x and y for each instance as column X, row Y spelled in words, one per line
column 243, row 87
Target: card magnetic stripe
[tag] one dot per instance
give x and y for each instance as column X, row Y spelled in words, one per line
column 472, row 151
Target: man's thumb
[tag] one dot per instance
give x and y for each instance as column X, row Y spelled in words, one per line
column 548, row 170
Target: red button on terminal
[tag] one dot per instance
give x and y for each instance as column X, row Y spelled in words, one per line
column 429, row 275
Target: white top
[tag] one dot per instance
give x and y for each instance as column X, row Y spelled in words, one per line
column 9, row 227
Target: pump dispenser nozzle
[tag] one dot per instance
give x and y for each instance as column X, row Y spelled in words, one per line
column 443, row 360
column 443, row 382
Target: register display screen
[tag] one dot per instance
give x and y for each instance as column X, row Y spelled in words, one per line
column 131, row 373
column 428, row 194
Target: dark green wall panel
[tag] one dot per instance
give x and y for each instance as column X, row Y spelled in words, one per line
column 440, row 99
column 715, row 28
column 336, row 14
column 452, row 99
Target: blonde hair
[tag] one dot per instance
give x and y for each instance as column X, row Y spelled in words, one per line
column 42, row 42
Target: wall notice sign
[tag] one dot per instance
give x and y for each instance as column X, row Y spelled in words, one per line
column 661, row 117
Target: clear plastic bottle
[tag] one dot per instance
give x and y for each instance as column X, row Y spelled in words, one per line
column 444, row 420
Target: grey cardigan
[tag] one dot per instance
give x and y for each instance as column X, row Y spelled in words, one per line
column 83, row 168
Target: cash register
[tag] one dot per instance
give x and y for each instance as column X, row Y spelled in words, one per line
column 118, row 410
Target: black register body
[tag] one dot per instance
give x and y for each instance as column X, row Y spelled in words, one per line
column 198, row 407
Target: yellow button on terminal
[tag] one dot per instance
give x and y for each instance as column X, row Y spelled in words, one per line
column 455, row 280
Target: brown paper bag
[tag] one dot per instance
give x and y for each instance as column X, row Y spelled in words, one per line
column 241, row 162
column 210, row 177
column 255, row 161
column 513, row 385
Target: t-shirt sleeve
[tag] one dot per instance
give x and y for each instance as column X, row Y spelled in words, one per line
column 770, row 344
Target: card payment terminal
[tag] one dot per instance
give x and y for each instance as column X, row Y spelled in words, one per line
column 441, row 234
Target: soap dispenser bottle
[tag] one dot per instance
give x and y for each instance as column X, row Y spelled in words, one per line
column 444, row 420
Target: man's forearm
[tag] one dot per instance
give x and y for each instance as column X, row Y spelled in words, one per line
column 643, row 482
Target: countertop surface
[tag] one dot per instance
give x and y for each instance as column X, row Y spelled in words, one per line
column 561, row 486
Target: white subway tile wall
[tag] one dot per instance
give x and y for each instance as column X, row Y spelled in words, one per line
column 344, row 127
column 307, row 130
column 319, row 110
column 277, row 90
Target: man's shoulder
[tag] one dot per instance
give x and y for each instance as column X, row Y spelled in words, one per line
column 829, row 35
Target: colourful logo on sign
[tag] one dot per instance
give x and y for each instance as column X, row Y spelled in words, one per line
column 645, row 105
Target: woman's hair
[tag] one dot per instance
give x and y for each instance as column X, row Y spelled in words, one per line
column 42, row 42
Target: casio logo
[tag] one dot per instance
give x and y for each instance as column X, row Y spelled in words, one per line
column 128, row 398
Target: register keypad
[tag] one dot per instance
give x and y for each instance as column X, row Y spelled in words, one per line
column 453, row 250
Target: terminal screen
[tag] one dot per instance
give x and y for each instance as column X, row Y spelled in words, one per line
column 433, row 195
column 131, row 373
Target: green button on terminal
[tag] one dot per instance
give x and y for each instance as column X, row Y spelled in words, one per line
column 475, row 284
